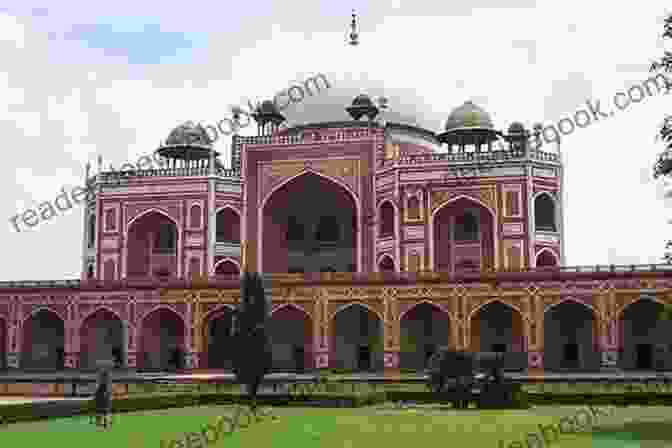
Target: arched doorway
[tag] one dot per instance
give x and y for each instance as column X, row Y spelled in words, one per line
column 228, row 226
column 645, row 337
column 152, row 246
column 544, row 213
column 386, row 220
column 546, row 258
column 424, row 329
column 357, row 339
column 291, row 339
column 101, row 339
column 219, row 339
column 228, row 268
column 497, row 327
column 463, row 236
column 309, row 224
column 569, row 337
column 43, row 342
column 162, row 344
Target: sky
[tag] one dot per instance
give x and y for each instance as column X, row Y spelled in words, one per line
column 82, row 79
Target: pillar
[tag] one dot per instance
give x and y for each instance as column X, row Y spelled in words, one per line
column 321, row 332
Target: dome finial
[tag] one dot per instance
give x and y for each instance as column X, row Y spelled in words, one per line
column 354, row 36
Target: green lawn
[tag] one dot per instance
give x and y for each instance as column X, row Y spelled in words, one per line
column 343, row 428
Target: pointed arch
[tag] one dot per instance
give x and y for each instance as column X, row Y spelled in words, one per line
column 554, row 202
column 293, row 306
column 101, row 308
column 356, row 303
column 269, row 195
column 165, row 307
column 432, row 221
column 215, row 312
column 641, row 298
column 40, row 309
column 232, row 207
column 152, row 210
column 383, row 222
column 224, row 260
column 491, row 301
column 547, row 250
column 590, row 307
column 428, row 302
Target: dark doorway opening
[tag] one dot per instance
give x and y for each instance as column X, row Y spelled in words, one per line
column 644, row 355
column 499, row 348
column 299, row 358
column 117, row 357
column 364, row 357
column 570, row 355
column 429, row 351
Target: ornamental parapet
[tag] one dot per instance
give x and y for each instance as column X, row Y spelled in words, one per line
column 479, row 157
column 116, row 177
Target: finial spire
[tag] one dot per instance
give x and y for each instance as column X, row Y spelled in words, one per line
column 354, row 36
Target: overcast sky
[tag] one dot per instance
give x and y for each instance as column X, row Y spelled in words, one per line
column 113, row 78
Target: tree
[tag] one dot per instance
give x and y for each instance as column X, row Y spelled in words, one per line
column 252, row 357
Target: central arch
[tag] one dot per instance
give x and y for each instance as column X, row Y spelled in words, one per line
column 498, row 327
column 463, row 233
column 102, row 339
column 570, row 329
column 309, row 223
column 291, row 339
column 163, row 340
column 424, row 329
column 357, row 342
column 153, row 241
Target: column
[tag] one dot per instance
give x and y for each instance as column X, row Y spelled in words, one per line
column 608, row 343
column 321, row 332
column 534, row 334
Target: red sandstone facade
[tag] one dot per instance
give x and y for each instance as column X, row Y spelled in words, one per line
column 379, row 248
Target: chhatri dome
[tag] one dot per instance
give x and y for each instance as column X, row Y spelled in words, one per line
column 469, row 124
column 468, row 116
column 188, row 134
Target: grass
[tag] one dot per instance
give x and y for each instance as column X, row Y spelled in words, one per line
column 345, row 428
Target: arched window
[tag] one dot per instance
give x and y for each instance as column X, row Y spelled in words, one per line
column 386, row 264
column 466, row 227
column 110, row 218
column 544, row 213
column 228, row 226
column 328, row 229
column 294, row 229
column 414, row 208
column 165, row 241
column 92, row 231
column 386, row 219
column 195, row 217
